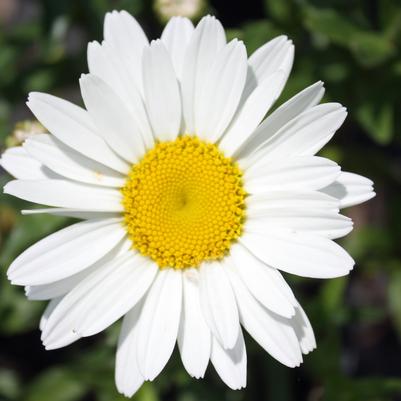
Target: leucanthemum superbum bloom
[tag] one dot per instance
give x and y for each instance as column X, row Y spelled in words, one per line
column 191, row 202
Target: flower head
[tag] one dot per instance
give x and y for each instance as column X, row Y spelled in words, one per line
column 191, row 202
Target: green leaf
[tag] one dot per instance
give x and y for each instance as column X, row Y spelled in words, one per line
column 18, row 314
column 41, row 80
column 331, row 24
column 394, row 299
column 279, row 10
column 10, row 387
column 147, row 393
column 332, row 298
column 369, row 48
column 377, row 120
column 57, row 384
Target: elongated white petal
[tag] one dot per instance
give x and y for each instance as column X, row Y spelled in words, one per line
column 113, row 120
column 206, row 42
column 194, row 339
column 176, row 36
column 64, row 193
column 127, row 375
column 117, row 294
column 158, row 326
column 230, row 364
column 221, row 92
column 66, row 252
column 61, row 287
column 48, row 311
column 162, row 96
column 69, row 163
column 58, row 288
column 304, row 135
column 272, row 332
column 304, row 331
column 105, row 62
column 302, row 254
column 277, row 54
column 125, row 35
column 73, row 126
column 297, row 173
column 75, row 213
column 18, row 163
column 218, row 304
column 329, row 224
column 350, row 189
column 264, row 282
column 252, row 112
column 302, row 101
column 101, row 299
column 271, row 201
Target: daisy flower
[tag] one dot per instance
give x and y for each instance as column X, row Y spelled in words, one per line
column 191, row 202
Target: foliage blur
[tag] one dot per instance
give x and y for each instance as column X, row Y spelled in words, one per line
column 354, row 47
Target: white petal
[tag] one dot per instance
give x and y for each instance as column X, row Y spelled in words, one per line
column 272, row 332
column 162, row 96
column 69, row 163
column 48, row 311
column 61, row 287
column 17, row 162
column 329, row 224
column 176, row 36
column 206, row 42
column 64, row 193
column 66, row 252
column 304, row 331
column 101, row 299
column 270, row 201
column 218, row 303
column 73, row 126
column 302, row 254
column 113, row 120
column 350, row 189
column 221, row 92
column 277, row 54
column 302, row 101
column 251, row 113
column 305, row 135
column 126, row 36
column 264, row 282
column 230, row 364
column 158, row 325
column 297, row 173
column 69, row 336
column 75, row 213
column 58, row 288
column 194, row 339
column 127, row 375
column 105, row 62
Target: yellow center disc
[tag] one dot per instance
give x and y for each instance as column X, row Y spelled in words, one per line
column 184, row 203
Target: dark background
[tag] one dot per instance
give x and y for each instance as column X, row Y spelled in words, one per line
column 354, row 46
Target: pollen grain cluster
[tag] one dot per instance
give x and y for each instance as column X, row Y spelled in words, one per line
column 184, row 203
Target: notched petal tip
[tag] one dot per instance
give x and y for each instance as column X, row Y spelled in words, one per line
column 86, row 77
column 7, row 189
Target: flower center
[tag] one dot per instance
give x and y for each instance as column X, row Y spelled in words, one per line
column 184, row 203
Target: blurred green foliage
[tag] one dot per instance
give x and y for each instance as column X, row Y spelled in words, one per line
column 354, row 46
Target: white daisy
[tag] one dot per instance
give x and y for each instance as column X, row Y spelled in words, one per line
column 191, row 202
